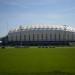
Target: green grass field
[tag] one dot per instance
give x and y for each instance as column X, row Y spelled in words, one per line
column 37, row 61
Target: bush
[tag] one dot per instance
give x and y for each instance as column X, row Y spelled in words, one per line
column 3, row 47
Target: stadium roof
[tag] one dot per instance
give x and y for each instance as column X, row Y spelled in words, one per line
column 45, row 27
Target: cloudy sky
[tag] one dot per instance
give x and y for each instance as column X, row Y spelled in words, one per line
column 27, row 12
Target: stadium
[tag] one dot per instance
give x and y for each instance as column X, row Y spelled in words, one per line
column 52, row 54
column 41, row 35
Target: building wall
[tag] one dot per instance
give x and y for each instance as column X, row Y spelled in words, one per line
column 41, row 35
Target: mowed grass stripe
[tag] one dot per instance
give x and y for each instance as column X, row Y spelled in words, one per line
column 36, row 60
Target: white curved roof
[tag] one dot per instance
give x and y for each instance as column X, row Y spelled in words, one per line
column 45, row 26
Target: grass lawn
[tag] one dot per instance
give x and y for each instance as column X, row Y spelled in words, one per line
column 37, row 61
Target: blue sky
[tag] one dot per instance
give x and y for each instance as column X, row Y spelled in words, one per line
column 27, row 12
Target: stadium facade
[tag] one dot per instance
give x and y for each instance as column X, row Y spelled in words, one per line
column 41, row 35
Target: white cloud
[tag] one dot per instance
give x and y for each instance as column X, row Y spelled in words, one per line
column 35, row 16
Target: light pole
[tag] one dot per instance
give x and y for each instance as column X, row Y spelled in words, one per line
column 65, row 27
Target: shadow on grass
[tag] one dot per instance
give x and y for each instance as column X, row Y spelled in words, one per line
column 40, row 73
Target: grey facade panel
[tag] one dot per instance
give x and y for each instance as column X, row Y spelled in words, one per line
column 42, row 35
